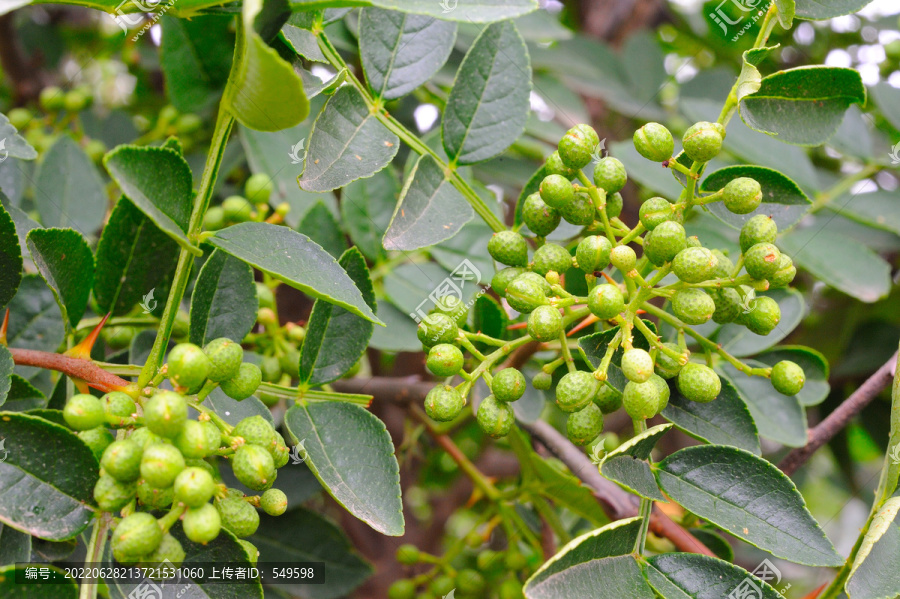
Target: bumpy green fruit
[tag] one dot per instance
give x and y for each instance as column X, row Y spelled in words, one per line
column 551, row 257
column 762, row 260
column 728, row 305
column 19, row 118
column 699, row 383
column 202, row 524
column 495, row 417
column 577, row 146
column 654, row 142
column 188, row 366
column 258, row 188
column 540, row 218
column 444, row 360
column 508, row 385
column 607, row 398
column 112, row 495
column 693, row 306
column 253, row 466
column 238, row 516
column 614, row 204
column 408, row 554
column 637, row 365
column 244, row 383
column 788, row 378
column 442, row 585
column 610, row 175
column 575, row 390
column 154, row 497
column 194, row 487
column 195, row 440
column 524, row 294
column 83, row 412
column 580, row 211
column 703, row 141
column 654, row 212
column 664, row 391
column 606, row 301
column 694, row 265
column 144, row 436
column 444, row 403
column 742, row 195
column 137, row 535
column 762, row 316
column 160, row 464
column 97, row 439
column 502, row 279
column 508, row 247
column 52, row 98
column 436, row 329
column 237, row 209
column 470, row 583
column 724, row 266
column 169, row 554
column 666, row 366
column 280, row 453
column 451, row 306
column 583, row 426
column 214, row 219
column 122, row 460
column 273, row 502
column 402, row 589
column 256, row 430
column 225, row 357
column 641, row 400
column 542, row 381
column 117, row 406
column 593, row 253
column 556, row 191
column 555, row 166
column 664, row 242
column 545, row 323
column 785, row 273
column 165, row 413
column 759, row 229
column 623, row 258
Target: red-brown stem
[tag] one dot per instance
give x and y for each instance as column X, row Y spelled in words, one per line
column 75, row 368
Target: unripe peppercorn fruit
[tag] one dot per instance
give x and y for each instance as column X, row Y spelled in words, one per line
column 610, row 175
column 237, row 515
column 577, row 146
column 540, row 218
column 666, row 366
column 122, row 460
column 614, row 204
column 551, row 257
column 641, row 400
column 664, row 391
column 225, row 358
column 762, row 260
column 654, row 212
column 703, row 141
column 585, row 425
column 402, row 589
column 160, row 464
column 555, row 166
column 606, row 301
column 444, row 360
column 408, row 554
column 728, row 305
column 762, row 316
column 607, row 398
column 165, row 413
column 194, row 486
column 253, row 466
column 258, row 188
column 116, row 406
column 154, row 497
column 759, row 229
column 524, row 294
column 788, row 377
column 575, row 390
column 542, row 381
column 136, row 535
column 592, row 254
column 693, row 306
column 202, row 524
column 501, row 280
column 436, row 329
column 444, row 403
column 637, row 365
column 451, row 306
column 545, row 323
column 495, row 417
column 556, row 191
column 83, row 412
column 197, row 439
column 664, row 242
column 654, row 142
column 237, row 209
column 273, row 502
column 623, row 258
column 97, row 439
column 699, row 383
column 694, row 264
column 509, row 248
column 508, row 385
column 742, row 195
column 169, row 554
column 112, row 495
column 244, row 383
column 580, row 211
column 188, row 366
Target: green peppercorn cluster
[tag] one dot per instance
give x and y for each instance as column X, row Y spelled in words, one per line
column 654, row 267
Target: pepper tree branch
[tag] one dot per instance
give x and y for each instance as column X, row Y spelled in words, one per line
column 77, row 368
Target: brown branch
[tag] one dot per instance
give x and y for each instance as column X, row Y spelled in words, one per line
column 840, row 417
column 75, row 368
column 23, row 75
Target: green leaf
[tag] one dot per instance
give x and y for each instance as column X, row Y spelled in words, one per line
column 803, row 106
column 778, row 417
column 58, row 585
column 35, row 321
column 233, row 411
column 740, row 342
column 47, row 480
column 305, row 536
column 601, row 554
column 414, row 287
column 335, row 338
column 430, row 209
column 452, row 252
column 23, row 224
column 820, row 10
column 489, row 317
column 474, row 11
column 134, row 259
column 750, row 498
column 399, row 332
column 750, row 79
column 692, row 576
column 303, row 41
column 640, row 446
column 874, row 573
column 726, row 421
column 10, row 257
column 715, row 542
column 876, row 209
column 263, row 91
column 14, row 546
column 594, row 348
column 402, row 51
column 839, row 261
column 196, row 55
column 68, row 191
column 224, row 300
column 347, row 143
column 366, row 208
column 158, row 181
column 531, row 186
column 633, row 475
column 783, row 199
column 7, row 365
column 350, row 452
column 11, row 143
column 292, row 258
column 568, row 491
column 786, row 12
column 814, row 365
column 64, row 259
column 887, row 97
column 489, row 102
column 321, row 227
column 25, row 397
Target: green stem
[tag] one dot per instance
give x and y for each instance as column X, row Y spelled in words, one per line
column 599, row 203
column 842, row 186
column 88, row 590
column 646, row 505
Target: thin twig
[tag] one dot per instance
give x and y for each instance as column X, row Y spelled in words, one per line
column 77, row 368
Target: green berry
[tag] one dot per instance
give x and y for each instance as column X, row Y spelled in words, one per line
column 188, row 366
column 237, row 209
column 623, row 258
column 578, row 146
column 202, row 524
column 511, row 589
column 641, row 400
column 542, row 381
column 154, row 497
column 614, row 204
column 289, row 362
column 540, row 218
column 444, row 360
column 402, row 589
column 663, row 243
column 762, row 316
column 699, row 383
column 238, row 516
column 654, row 212
column 610, row 175
column 264, row 295
column 606, row 301
column 165, row 413
column 728, row 305
column 666, row 366
column 654, row 142
column 555, row 166
column 583, row 426
column 556, row 191
column 197, row 439
column 144, row 436
column 112, row 495
column 637, row 365
column 489, row 562
column 225, row 357
column 244, row 383
column 95, row 149
column 762, row 260
column 470, row 583
column 509, row 248
column 444, row 403
column 703, row 141
column 442, row 585
column 256, row 430
column 136, row 535
column 694, row 265
column 693, row 306
column 170, row 554
column 551, row 257
column 270, row 367
column 502, row 279
column 19, row 118
column 214, row 219
column 742, row 195
column 117, row 406
column 580, row 211
column 575, row 390
column 52, row 99
column 76, row 101
column 118, row 337
column 273, row 502
column 508, row 385
column 664, row 391
column 280, row 453
column 759, row 229
column 524, row 294
column 694, row 242
column 408, row 554
column 607, row 398
column 83, row 412
column 160, row 464
column 258, row 188
column 724, row 266
column 194, row 487
column 495, row 417
column 253, row 466
column 545, row 323
column 188, row 123
column 593, row 253
column 122, row 460
column 436, row 329
column 788, row 378
column 451, row 306
column 785, row 273
column 97, row 439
